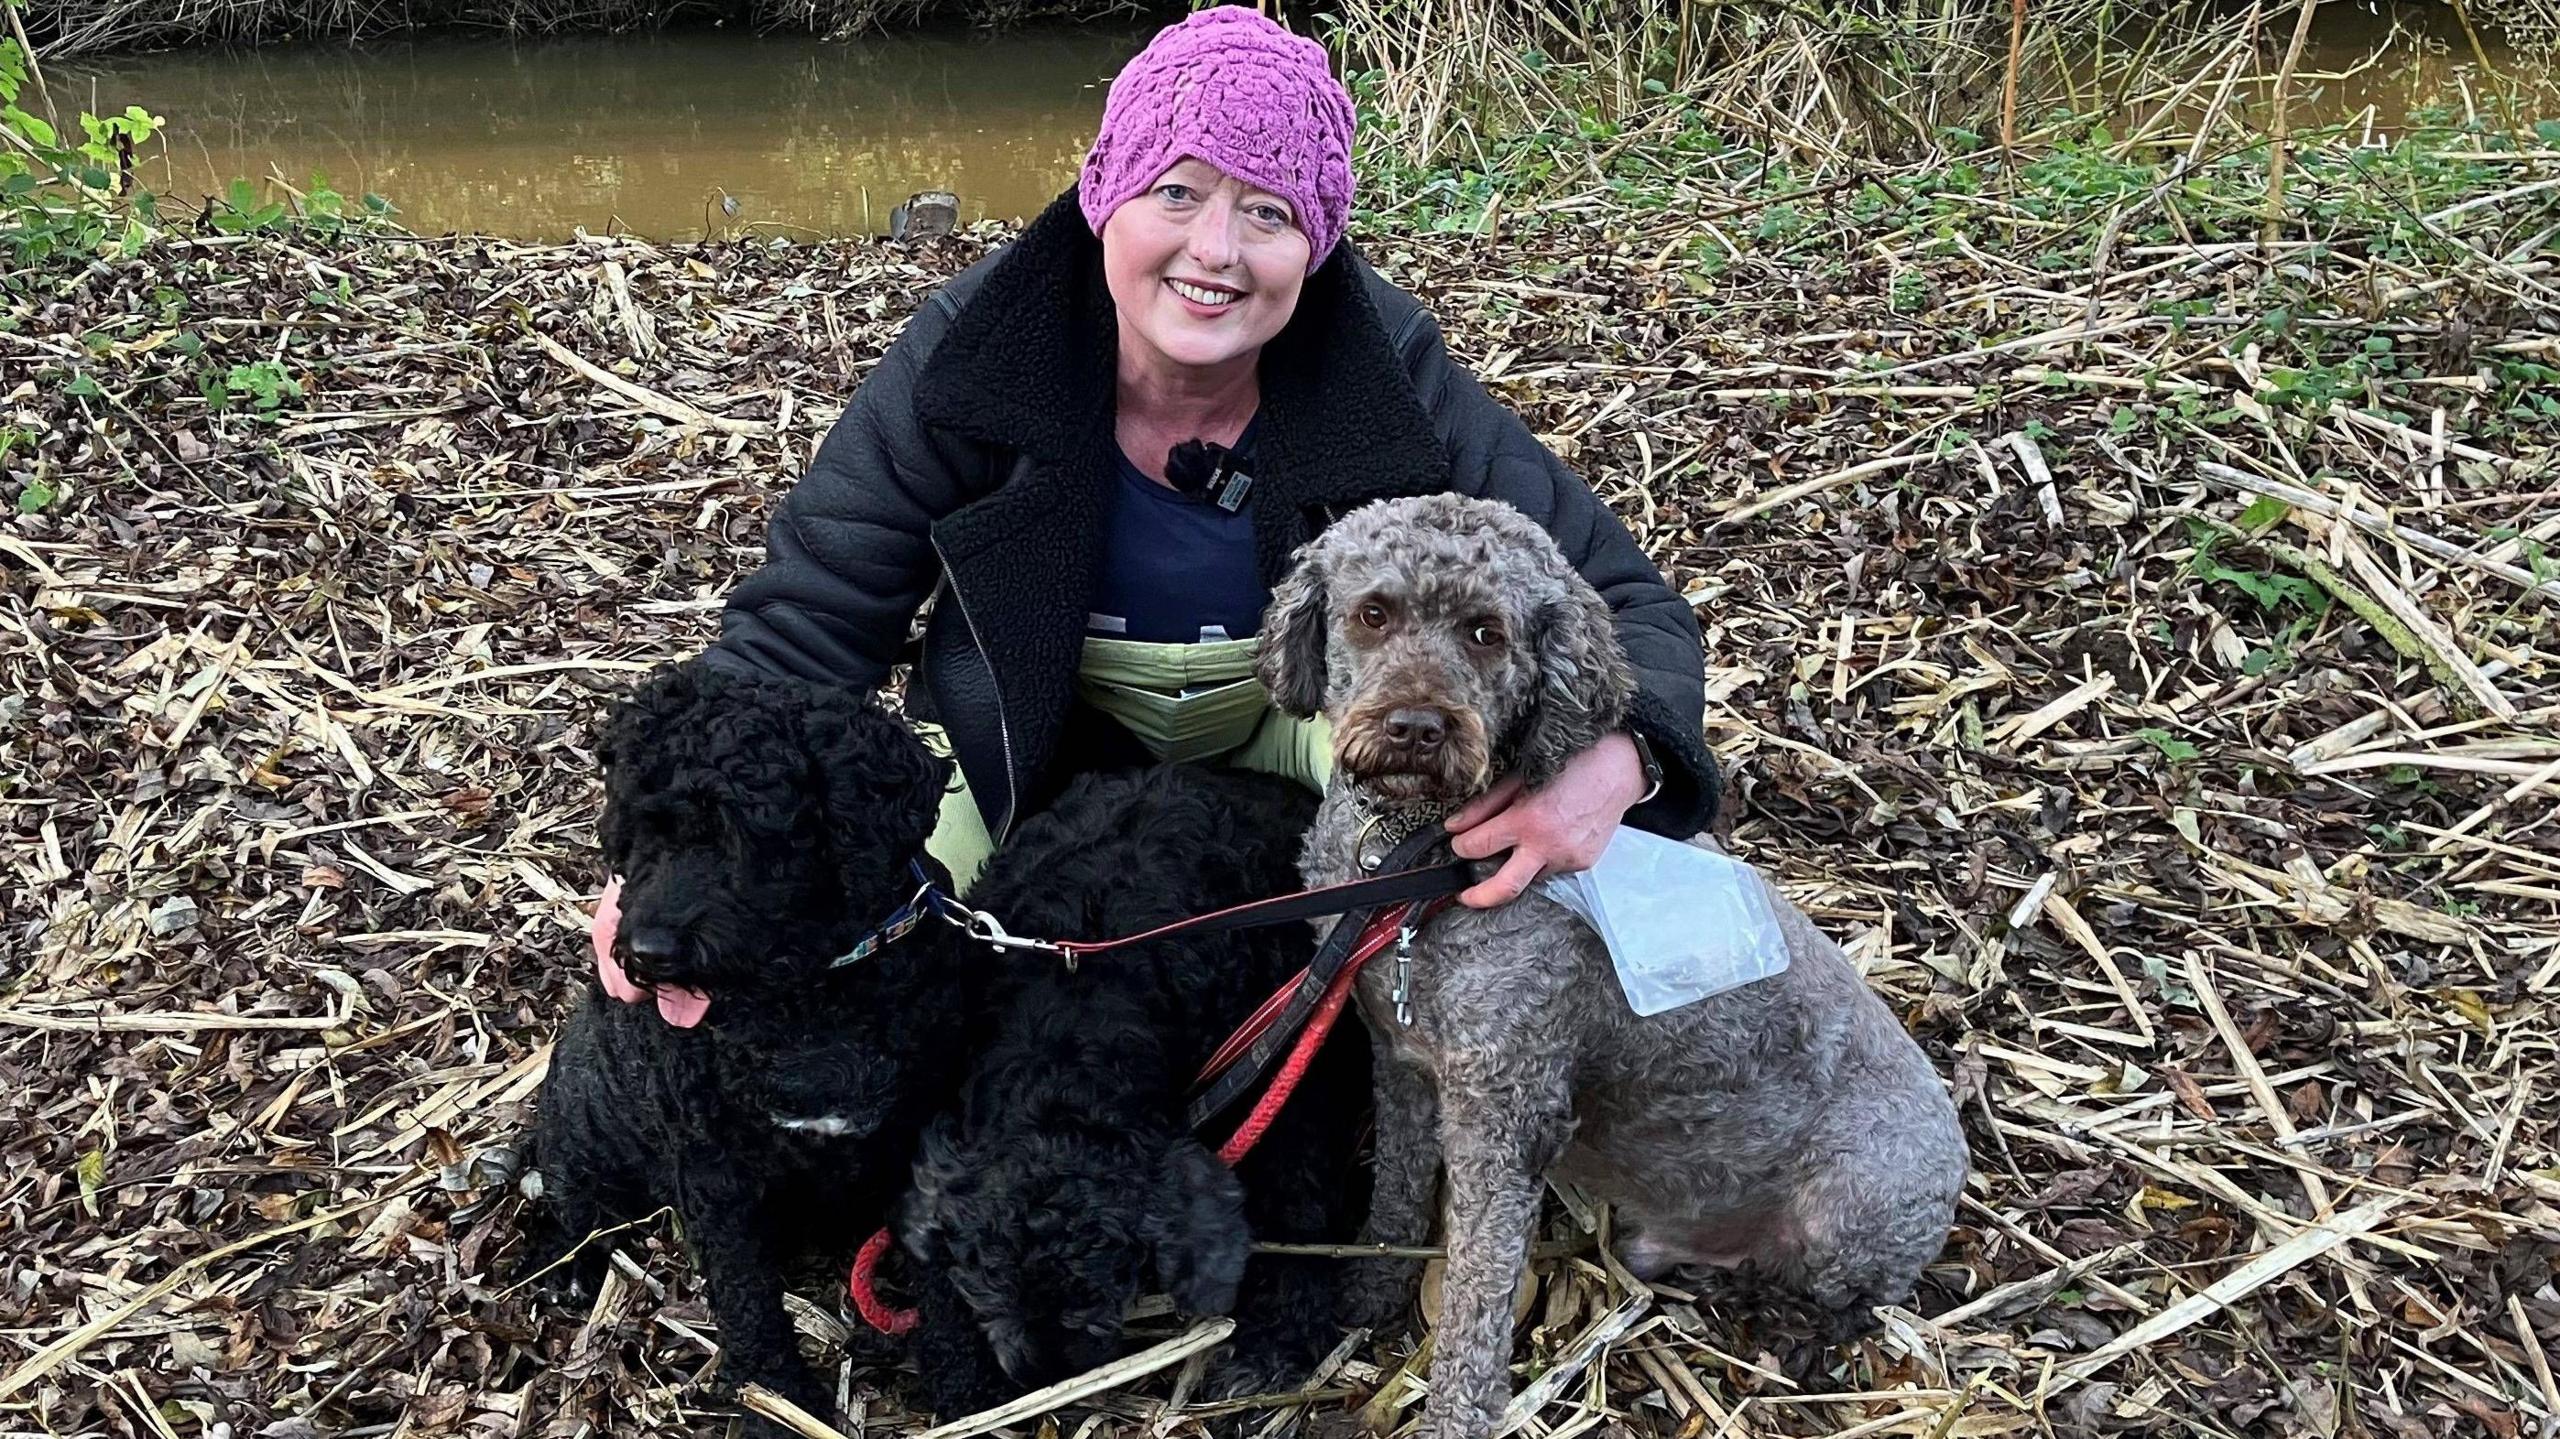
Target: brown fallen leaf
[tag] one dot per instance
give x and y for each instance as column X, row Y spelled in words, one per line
column 2190, row 1094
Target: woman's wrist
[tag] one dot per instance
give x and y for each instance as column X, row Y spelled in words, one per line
column 1623, row 762
column 1648, row 768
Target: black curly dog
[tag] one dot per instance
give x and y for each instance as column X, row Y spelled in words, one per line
column 1064, row 1183
column 761, row 827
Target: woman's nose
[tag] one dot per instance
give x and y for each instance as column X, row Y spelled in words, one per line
column 1213, row 237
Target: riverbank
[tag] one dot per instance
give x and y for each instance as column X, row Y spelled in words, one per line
column 2134, row 639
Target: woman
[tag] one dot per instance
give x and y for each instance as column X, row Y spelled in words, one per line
column 1093, row 595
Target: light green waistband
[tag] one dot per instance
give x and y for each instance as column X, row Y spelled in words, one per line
column 1184, row 702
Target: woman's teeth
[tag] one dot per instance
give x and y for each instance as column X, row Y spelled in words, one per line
column 1198, row 296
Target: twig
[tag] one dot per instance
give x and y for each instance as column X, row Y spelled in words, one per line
column 2268, row 1267
column 1544, row 1249
column 1569, row 1365
column 1789, row 494
column 644, row 397
column 2372, row 524
column 2270, row 1106
column 2009, row 76
column 2447, row 657
column 757, row 1399
column 2531, row 1343
column 2446, row 664
column 2280, row 122
column 1204, row 1335
column 110, row 1023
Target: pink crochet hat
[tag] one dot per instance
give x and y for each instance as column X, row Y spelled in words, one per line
column 1235, row 89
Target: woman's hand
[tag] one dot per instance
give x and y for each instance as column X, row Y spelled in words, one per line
column 600, row 936
column 1557, row 829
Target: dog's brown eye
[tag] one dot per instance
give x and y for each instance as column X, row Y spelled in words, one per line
column 1374, row 615
column 1483, row 635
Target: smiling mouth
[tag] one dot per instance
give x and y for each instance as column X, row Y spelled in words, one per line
column 1204, row 294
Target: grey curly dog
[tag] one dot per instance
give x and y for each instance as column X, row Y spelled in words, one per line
column 1788, row 1127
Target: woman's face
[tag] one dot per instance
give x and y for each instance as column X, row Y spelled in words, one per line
column 1204, row 268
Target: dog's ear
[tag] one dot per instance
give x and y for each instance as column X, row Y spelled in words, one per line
column 623, row 743
column 882, row 789
column 1197, row 1230
column 1582, row 685
column 1291, row 660
column 660, row 694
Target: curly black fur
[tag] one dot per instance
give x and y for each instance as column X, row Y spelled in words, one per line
column 1064, row 1183
column 761, row 826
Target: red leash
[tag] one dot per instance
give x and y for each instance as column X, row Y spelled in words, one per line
column 866, row 1292
column 1379, row 933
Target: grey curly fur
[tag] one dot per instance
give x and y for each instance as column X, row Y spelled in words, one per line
column 1789, row 1127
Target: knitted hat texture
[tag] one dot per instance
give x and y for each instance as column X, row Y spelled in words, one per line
column 1235, row 89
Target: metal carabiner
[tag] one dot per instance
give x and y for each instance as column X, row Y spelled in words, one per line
column 987, row 929
column 1402, row 994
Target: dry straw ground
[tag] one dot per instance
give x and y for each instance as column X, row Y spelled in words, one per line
column 2207, row 844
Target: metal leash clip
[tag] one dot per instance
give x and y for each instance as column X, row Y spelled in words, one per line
column 1403, row 993
column 987, row 929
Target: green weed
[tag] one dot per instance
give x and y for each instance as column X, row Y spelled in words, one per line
column 263, row 384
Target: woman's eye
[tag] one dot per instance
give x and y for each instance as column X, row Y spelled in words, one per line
column 1483, row 636
column 1374, row 615
column 1174, row 194
column 1272, row 216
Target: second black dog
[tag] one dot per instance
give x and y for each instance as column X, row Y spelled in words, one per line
column 1064, row 1183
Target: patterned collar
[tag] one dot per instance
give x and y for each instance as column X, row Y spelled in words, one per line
column 1385, row 823
column 928, row 902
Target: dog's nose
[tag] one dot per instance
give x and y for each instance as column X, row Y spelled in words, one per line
column 1420, row 730
column 653, row 947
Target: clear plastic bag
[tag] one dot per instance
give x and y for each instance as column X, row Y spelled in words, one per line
column 1681, row 922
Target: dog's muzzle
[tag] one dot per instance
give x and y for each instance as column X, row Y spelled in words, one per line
column 1413, row 749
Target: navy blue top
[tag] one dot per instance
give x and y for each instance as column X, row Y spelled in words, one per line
column 1176, row 569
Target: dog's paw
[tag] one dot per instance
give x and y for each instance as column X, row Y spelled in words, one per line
column 1378, row 1294
column 557, row 1271
column 1241, row 1373
column 957, row 1391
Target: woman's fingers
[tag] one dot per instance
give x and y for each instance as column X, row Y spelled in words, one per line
column 1516, row 875
column 1487, row 839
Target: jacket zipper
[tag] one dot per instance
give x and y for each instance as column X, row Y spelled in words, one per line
column 1004, row 729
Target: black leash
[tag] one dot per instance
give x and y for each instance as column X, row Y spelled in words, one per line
column 1401, row 884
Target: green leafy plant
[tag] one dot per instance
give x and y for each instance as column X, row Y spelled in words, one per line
column 2172, row 748
column 240, row 211
column 59, row 195
column 2264, row 514
column 2274, row 591
column 262, row 383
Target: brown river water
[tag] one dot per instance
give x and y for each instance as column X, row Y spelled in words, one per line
column 661, row 135
column 670, row 136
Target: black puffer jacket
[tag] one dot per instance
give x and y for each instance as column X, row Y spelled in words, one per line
column 971, row 469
